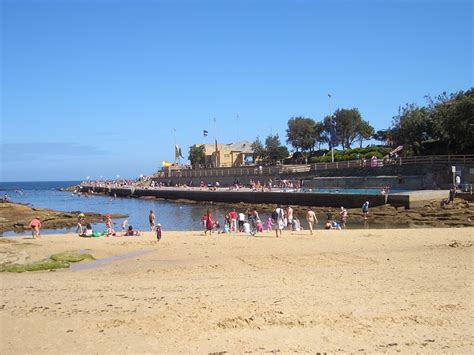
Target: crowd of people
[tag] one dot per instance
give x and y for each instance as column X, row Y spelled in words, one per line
column 282, row 218
column 247, row 222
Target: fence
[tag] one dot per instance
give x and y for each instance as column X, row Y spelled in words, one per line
column 304, row 168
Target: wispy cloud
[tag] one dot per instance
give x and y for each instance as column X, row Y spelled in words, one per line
column 27, row 151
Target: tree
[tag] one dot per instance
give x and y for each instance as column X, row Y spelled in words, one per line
column 364, row 132
column 384, row 136
column 320, row 134
column 348, row 122
column 259, row 149
column 452, row 118
column 197, row 154
column 274, row 149
column 411, row 127
column 301, row 133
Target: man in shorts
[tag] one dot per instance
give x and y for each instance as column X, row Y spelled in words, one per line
column 311, row 218
column 365, row 210
column 151, row 219
column 35, row 226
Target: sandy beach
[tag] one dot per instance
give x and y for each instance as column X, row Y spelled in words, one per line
column 405, row 290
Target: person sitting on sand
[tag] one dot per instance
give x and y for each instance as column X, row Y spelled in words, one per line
column 124, row 225
column 296, row 224
column 335, row 225
column 80, row 223
column 131, row 233
column 35, row 226
column 247, row 227
column 87, row 231
column 328, row 224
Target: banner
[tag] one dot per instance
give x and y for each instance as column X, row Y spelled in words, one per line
column 204, row 133
column 166, row 164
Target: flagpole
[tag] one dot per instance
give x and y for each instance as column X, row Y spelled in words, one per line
column 237, row 119
column 330, row 138
column 174, row 141
column 215, row 140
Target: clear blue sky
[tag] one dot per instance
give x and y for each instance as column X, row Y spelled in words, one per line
column 91, row 88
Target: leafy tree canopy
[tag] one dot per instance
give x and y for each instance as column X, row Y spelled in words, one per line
column 197, row 154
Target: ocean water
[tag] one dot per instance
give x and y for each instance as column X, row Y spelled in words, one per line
column 171, row 215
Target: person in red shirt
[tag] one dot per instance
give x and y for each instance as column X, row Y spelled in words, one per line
column 209, row 222
column 233, row 218
column 35, row 226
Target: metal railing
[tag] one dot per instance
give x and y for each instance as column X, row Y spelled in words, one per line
column 304, row 168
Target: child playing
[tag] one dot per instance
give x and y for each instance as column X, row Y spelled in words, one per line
column 269, row 224
column 158, row 231
column 259, row 226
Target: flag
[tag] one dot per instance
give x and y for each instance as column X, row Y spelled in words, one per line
column 177, row 151
column 165, row 163
column 204, row 133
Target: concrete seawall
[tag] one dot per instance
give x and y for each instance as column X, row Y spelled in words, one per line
column 412, row 199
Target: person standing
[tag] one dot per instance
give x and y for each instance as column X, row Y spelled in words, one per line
column 343, row 217
column 365, row 210
column 35, row 226
column 241, row 221
column 277, row 216
column 151, row 220
column 312, row 219
column 209, row 222
column 289, row 216
column 233, row 217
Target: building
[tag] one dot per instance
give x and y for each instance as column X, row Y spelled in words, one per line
column 229, row 155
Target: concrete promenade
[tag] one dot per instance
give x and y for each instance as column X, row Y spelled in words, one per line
column 224, row 195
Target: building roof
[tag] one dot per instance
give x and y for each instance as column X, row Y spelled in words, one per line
column 238, row 147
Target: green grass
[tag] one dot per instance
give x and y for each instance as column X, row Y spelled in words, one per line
column 71, row 257
column 56, row 261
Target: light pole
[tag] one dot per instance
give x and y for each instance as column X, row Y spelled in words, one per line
column 330, row 132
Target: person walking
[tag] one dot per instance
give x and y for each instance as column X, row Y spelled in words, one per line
column 365, row 210
column 312, row 219
column 35, row 226
column 343, row 217
column 151, row 220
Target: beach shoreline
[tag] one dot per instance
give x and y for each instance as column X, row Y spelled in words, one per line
column 337, row 291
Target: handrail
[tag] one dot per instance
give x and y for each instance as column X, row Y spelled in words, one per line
column 255, row 170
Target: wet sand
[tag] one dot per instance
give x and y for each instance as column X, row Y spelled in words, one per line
column 336, row 291
column 17, row 217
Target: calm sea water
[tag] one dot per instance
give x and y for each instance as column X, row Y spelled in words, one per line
column 171, row 215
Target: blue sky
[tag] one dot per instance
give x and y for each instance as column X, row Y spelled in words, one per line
column 95, row 88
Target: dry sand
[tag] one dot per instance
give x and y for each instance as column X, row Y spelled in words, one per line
column 348, row 291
